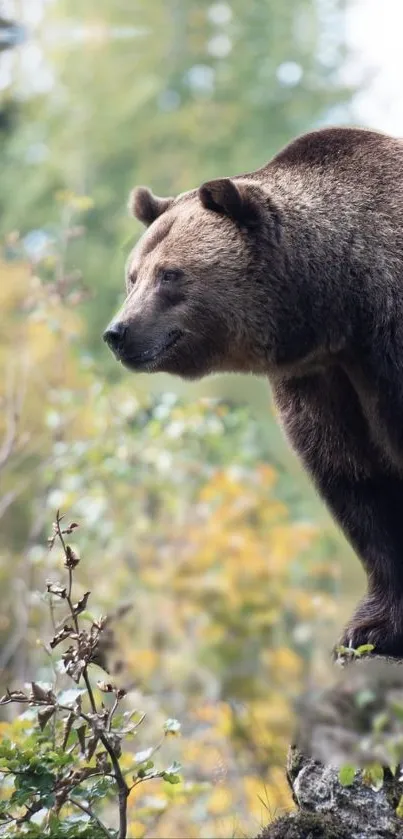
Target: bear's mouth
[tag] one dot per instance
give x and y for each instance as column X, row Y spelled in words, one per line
column 146, row 359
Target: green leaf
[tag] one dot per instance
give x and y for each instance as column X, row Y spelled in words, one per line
column 399, row 808
column 20, row 797
column 346, row 775
column 364, row 648
column 373, row 776
column 96, row 790
column 171, row 778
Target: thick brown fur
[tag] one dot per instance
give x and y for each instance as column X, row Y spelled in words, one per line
column 295, row 272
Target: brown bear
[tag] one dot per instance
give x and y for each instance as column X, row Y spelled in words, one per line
column 295, row 272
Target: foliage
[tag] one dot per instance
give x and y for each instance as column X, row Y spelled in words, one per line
column 379, row 738
column 355, row 725
column 69, row 756
column 181, row 507
column 200, row 532
column 351, row 653
column 347, row 775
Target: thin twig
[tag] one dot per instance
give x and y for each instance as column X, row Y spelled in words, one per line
column 8, row 821
column 61, row 537
column 123, row 789
column 96, row 775
column 111, row 713
column 91, row 814
column 89, row 690
column 72, row 612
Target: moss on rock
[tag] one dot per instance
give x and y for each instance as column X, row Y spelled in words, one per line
column 306, row 826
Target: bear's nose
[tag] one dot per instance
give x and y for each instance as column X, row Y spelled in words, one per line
column 114, row 336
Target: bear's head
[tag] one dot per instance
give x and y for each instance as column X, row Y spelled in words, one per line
column 197, row 299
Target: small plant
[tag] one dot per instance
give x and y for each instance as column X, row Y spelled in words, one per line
column 348, row 653
column 356, row 724
column 66, row 765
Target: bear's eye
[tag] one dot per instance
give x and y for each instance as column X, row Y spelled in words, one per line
column 132, row 279
column 170, row 275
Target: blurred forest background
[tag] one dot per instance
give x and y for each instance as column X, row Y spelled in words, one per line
column 191, row 507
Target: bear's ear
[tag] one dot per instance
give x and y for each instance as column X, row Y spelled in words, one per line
column 225, row 197
column 145, row 206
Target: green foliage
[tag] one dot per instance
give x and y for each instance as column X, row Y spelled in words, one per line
column 381, row 734
column 346, row 775
column 175, row 495
column 351, row 652
column 69, row 754
column 373, row 776
column 200, row 532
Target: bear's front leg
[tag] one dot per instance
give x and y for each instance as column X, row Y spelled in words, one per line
column 323, row 419
column 370, row 512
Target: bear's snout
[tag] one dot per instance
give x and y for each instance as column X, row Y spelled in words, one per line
column 114, row 336
column 141, row 346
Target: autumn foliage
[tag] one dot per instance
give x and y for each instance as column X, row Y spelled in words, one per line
column 220, row 587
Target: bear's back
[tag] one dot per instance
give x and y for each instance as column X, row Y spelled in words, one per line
column 340, row 146
column 352, row 151
column 346, row 183
column 354, row 166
